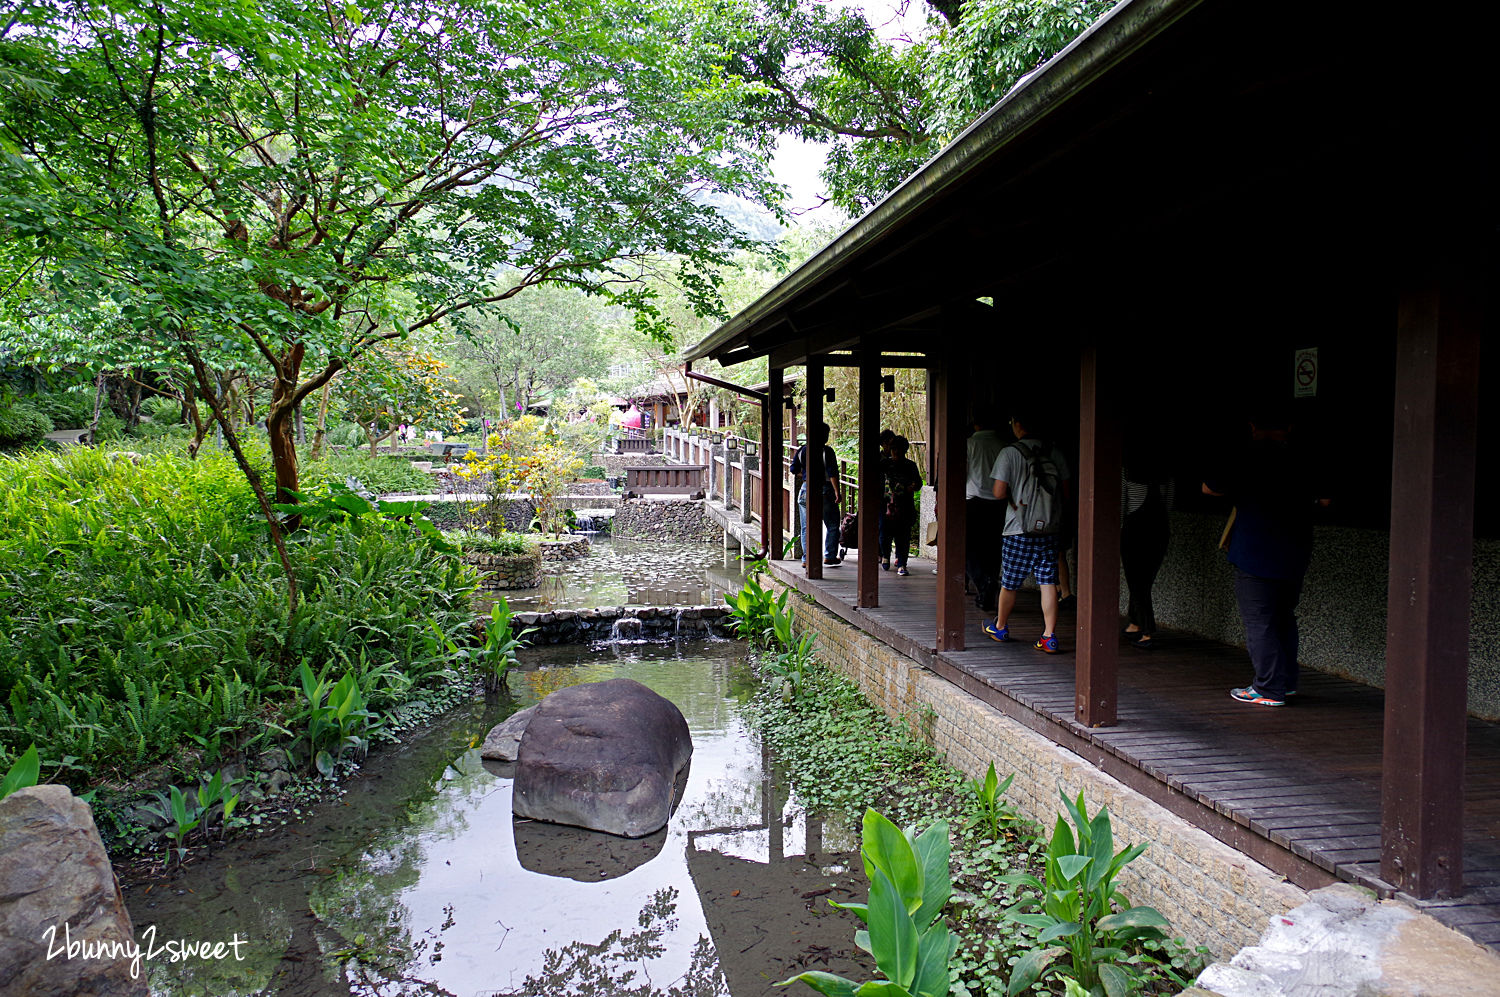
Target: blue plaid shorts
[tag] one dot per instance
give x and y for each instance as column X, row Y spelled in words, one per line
column 1022, row 555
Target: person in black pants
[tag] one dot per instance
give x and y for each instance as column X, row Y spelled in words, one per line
column 1145, row 502
column 1270, row 542
column 902, row 482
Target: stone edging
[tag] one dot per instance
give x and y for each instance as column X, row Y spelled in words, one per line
column 506, row 571
column 566, row 549
column 577, row 626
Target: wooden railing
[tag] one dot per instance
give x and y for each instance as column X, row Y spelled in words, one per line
column 634, row 444
column 674, row 479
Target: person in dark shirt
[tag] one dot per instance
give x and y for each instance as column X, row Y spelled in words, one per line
column 902, row 481
column 830, row 496
column 1270, row 543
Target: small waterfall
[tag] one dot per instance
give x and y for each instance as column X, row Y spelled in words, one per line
column 626, row 628
column 677, row 622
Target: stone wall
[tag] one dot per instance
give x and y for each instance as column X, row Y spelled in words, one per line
column 502, row 571
column 670, row 521
column 574, row 626
column 1343, row 610
column 566, row 549
column 1212, row 894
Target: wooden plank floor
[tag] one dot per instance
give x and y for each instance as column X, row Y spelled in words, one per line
column 1298, row 789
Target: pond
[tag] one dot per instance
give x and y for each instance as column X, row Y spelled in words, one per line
column 418, row 880
column 632, row 573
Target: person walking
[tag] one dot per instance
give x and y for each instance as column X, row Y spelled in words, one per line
column 1031, row 476
column 1270, row 544
column 1146, row 496
column 830, row 496
column 984, row 515
column 902, row 481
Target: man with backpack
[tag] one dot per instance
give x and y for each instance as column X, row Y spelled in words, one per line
column 830, row 497
column 1031, row 476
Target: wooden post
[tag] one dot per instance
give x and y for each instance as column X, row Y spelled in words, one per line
column 1096, row 685
column 951, row 446
column 774, row 464
column 870, row 492
column 1439, row 324
column 816, row 472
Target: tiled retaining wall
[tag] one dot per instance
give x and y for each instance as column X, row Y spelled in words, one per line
column 1212, row 894
column 1343, row 609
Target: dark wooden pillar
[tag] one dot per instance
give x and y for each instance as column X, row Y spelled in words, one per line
column 816, row 472
column 870, row 492
column 773, row 513
column 1097, row 678
column 1431, row 574
column 951, row 445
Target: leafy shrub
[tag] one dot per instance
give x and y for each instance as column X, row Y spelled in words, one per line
column 505, row 544
column 142, row 611
column 22, row 424
column 377, row 474
column 66, row 409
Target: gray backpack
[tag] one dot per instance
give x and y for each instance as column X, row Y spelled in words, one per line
column 1038, row 495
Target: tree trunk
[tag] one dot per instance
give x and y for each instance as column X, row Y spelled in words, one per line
column 320, row 434
column 279, row 425
column 98, row 410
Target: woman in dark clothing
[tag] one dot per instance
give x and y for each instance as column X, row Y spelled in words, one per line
column 1146, row 500
column 902, row 482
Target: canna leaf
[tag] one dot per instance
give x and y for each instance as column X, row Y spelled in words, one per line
column 825, row 983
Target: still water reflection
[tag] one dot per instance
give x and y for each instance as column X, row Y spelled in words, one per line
column 633, row 573
column 419, row 881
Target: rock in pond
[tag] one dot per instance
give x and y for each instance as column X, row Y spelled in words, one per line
column 57, row 887
column 605, row 756
column 504, row 739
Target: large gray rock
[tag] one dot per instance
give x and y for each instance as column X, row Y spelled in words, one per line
column 503, row 741
column 56, row 886
column 605, row 756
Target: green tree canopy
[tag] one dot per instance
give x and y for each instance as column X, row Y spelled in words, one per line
column 270, row 185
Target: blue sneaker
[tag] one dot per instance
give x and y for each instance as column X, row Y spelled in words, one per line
column 1254, row 697
column 1002, row 634
column 1047, row 642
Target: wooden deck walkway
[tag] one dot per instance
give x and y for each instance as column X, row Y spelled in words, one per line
column 1298, row 788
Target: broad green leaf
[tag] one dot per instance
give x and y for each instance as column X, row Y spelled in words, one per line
column 1102, row 848
column 1135, row 917
column 1072, row 865
column 885, row 847
column 1034, row 920
column 893, row 934
column 861, row 911
column 932, row 848
column 881, row 988
column 24, row 772
column 1117, row 982
column 1029, row 968
column 824, row 983
column 1062, row 929
column 934, row 949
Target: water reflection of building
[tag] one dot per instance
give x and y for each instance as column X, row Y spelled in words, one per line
column 770, row 919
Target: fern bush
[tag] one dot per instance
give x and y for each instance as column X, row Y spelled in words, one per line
column 143, row 613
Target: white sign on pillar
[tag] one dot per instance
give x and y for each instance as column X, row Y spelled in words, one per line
column 1305, row 373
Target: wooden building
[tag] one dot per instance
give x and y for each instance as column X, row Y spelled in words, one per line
column 1197, row 203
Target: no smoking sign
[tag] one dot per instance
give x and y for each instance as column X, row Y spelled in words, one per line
column 1305, row 374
